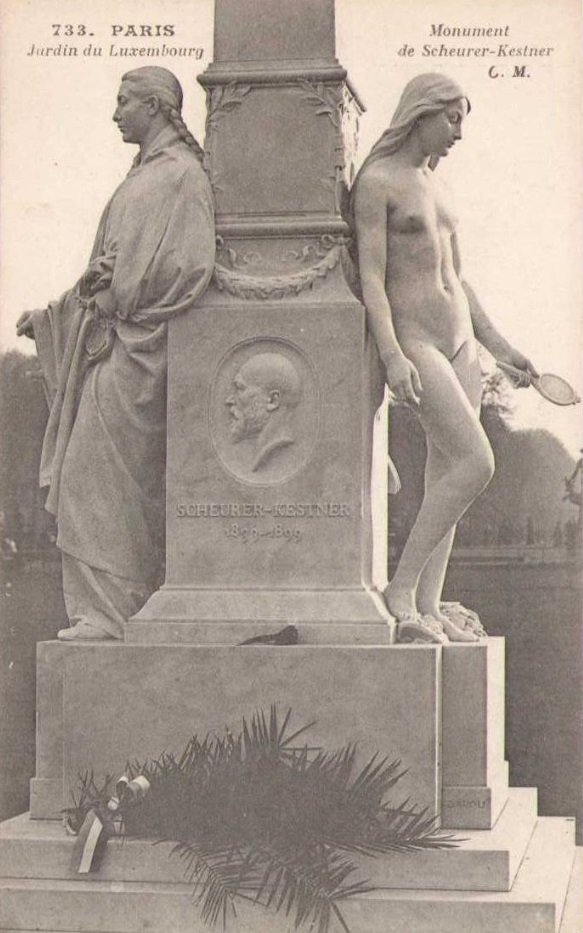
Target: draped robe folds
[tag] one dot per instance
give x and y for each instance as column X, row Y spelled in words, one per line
column 103, row 456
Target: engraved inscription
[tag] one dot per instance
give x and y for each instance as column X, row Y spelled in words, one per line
column 259, row 510
column 251, row 533
column 466, row 804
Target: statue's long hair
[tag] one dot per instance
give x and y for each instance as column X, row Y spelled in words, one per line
column 425, row 94
column 161, row 83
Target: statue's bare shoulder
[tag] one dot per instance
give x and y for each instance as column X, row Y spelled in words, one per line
column 378, row 191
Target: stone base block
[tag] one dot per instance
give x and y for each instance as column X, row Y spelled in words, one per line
column 385, row 698
column 473, row 712
column 534, row 905
column 475, row 807
column 226, row 617
column 180, row 615
column 121, row 702
column 233, row 633
column 46, row 798
column 475, row 773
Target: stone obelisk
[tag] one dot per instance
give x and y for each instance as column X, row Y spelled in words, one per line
column 271, row 388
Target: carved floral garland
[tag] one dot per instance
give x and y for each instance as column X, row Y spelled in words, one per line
column 274, row 286
column 242, row 285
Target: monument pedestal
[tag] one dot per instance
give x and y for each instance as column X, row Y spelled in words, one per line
column 271, row 397
column 436, row 708
column 269, row 463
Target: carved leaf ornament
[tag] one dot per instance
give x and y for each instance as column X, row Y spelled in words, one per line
column 220, row 101
column 224, row 99
column 327, row 99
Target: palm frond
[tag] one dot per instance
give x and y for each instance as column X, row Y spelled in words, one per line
column 305, row 884
column 218, row 875
column 91, row 796
column 258, row 816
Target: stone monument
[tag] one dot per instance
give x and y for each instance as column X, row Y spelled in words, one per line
column 270, row 426
column 258, row 501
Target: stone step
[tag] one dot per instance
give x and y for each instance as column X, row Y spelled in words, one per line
column 534, row 905
column 572, row 919
column 545, row 871
column 485, row 860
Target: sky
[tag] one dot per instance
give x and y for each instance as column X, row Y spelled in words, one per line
column 516, row 177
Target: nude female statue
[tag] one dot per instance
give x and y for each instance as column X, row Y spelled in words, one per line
column 426, row 320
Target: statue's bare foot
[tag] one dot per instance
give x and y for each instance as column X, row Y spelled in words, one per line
column 465, row 619
column 83, row 631
column 411, row 626
column 455, row 633
column 420, row 629
column 453, row 630
column 400, row 603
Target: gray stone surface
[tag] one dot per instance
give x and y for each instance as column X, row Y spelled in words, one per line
column 281, row 609
column 476, row 675
column 475, row 773
column 268, row 29
column 378, row 696
column 486, row 861
column 475, row 806
column 544, row 682
column 291, row 539
column 534, row 905
column 279, row 528
column 112, row 707
column 382, row 697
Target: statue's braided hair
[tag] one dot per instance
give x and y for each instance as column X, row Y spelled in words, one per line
column 161, row 83
column 175, row 118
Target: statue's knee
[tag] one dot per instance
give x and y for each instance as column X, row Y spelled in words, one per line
column 484, row 466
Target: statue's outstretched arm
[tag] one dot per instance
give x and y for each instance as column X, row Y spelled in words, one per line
column 486, row 333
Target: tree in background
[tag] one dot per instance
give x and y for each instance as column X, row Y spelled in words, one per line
column 528, row 484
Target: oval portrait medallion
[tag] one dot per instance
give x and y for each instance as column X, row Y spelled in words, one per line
column 264, row 410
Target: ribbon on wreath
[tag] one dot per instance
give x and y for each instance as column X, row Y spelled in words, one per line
column 100, row 825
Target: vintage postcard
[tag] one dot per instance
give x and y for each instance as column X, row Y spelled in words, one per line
column 439, row 182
